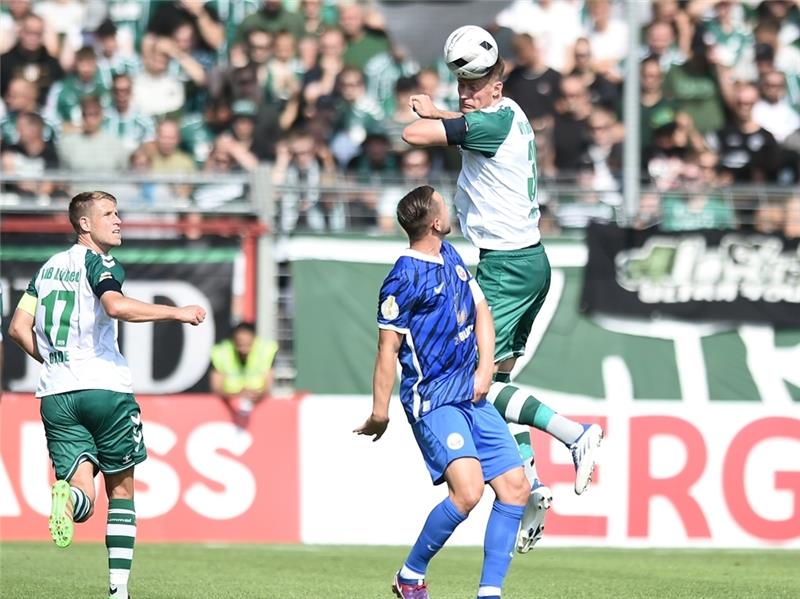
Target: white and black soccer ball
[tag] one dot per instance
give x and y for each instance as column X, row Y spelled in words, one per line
column 470, row 52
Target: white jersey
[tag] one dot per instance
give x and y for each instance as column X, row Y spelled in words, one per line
column 75, row 336
column 496, row 195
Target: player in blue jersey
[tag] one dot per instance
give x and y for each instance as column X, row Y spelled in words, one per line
column 432, row 316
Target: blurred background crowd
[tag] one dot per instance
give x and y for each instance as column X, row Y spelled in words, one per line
column 318, row 90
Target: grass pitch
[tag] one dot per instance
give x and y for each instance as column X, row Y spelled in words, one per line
column 33, row 570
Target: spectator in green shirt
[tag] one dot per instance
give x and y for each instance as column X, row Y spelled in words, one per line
column 700, row 87
column 63, row 103
column 272, row 17
column 696, row 204
column 362, row 43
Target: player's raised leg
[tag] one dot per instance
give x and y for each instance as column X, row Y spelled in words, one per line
column 583, row 440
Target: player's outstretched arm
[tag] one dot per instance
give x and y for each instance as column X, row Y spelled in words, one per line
column 128, row 309
column 21, row 330
column 484, row 333
column 382, row 382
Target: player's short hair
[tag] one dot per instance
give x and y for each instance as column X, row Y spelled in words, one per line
column 496, row 73
column 414, row 211
column 79, row 206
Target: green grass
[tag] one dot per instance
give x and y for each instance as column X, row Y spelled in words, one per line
column 32, row 570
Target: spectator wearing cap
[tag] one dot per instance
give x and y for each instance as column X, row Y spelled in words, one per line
column 772, row 111
column 156, row 92
column 362, row 43
column 63, row 103
column 747, row 150
column 120, row 119
column 111, row 58
column 787, row 57
column 765, row 63
column 30, row 60
column 91, row 149
column 532, row 84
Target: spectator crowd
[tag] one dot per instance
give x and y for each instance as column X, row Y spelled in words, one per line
column 319, row 89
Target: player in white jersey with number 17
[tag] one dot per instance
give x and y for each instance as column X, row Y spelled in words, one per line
column 67, row 320
column 496, row 205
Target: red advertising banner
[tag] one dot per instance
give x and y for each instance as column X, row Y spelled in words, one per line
column 204, row 479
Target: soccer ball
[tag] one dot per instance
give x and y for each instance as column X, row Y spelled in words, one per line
column 470, row 52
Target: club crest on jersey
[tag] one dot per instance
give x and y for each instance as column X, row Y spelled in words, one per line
column 455, row 441
column 462, row 274
column 389, row 308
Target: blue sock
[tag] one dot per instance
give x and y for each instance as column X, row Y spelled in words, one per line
column 441, row 523
column 498, row 546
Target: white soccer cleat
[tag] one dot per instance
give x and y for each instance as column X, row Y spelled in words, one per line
column 532, row 524
column 584, row 455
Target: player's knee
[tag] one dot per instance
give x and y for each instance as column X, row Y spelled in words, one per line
column 513, row 487
column 467, row 498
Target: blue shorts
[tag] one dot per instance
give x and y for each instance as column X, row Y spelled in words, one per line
column 466, row 430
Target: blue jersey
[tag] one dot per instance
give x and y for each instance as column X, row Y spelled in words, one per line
column 431, row 302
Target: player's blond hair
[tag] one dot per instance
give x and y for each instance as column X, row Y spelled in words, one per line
column 79, row 206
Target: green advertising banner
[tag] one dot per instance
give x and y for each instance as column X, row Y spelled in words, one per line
column 336, row 286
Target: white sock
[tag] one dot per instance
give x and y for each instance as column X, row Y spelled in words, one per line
column 409, row 574
column 565, row 430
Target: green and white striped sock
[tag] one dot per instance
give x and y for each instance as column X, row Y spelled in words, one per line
column 517, row 406
column 120, row 538
column 81, row 505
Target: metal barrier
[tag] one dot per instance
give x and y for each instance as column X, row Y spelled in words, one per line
column 261, row 214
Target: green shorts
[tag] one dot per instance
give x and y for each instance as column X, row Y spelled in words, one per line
column 515, row 284
column 104, row 427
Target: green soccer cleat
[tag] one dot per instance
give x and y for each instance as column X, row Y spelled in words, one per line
column 61, row 525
